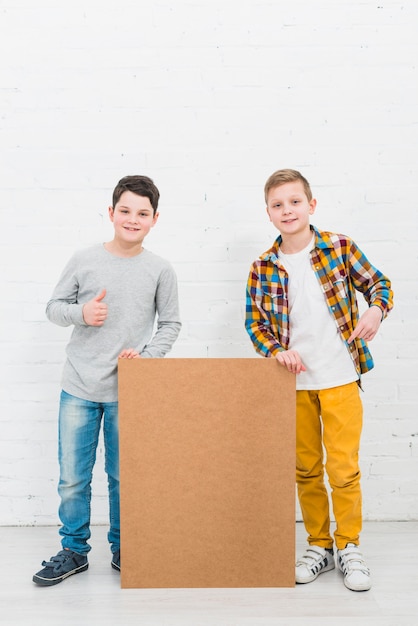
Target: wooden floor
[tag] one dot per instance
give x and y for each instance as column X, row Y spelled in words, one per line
column 95, row 596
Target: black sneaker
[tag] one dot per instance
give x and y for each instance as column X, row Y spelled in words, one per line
column 64, row 564
column 116, row 560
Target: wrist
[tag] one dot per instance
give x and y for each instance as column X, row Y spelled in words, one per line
column 382, row 314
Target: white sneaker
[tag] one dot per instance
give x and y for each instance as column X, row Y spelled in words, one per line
column 356, row 573
column 315, row 561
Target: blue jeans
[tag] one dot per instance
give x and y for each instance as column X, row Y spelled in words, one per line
column 79, row 427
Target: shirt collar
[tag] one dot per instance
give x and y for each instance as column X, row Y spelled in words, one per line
column 322, row 240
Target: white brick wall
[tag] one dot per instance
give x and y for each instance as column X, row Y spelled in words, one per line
column 208, row 97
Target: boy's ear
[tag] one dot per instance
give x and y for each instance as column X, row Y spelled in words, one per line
column 155, row 218
column 312, row 206
column 267, row 211
column 111, row 213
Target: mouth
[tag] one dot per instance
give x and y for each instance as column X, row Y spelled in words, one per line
column 134, row 230
column 289, row 221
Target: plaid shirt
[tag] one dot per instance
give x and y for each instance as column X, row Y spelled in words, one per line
column 341, row 269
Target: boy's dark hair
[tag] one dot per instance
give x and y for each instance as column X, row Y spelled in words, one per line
column 286, row 176
column 141, row 185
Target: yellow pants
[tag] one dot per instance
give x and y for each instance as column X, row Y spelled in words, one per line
column 330, row 418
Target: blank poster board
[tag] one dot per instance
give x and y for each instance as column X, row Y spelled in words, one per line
column 207, row 464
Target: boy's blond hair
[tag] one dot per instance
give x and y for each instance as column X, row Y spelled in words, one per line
column 286, row 176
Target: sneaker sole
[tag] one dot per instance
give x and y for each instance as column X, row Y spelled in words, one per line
column 358, row 587
column 48, row 582
column 364, row 587
column 116, row 567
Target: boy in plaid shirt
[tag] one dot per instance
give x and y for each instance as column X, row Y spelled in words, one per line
column 302, row 310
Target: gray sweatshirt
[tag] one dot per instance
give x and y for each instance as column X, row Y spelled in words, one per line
column 138, row 289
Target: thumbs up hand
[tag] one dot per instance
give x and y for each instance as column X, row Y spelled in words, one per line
column 95, row 310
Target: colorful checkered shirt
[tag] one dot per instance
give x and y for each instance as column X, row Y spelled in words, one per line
column 341, row 268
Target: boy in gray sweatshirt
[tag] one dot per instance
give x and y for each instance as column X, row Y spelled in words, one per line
column 111, row 293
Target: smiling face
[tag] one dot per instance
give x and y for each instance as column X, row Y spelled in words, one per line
column 132, row 217
column 289, row 209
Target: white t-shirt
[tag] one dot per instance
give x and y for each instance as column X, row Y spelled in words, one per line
column 313, row 331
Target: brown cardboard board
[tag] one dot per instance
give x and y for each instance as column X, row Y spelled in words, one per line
column 207, row 469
